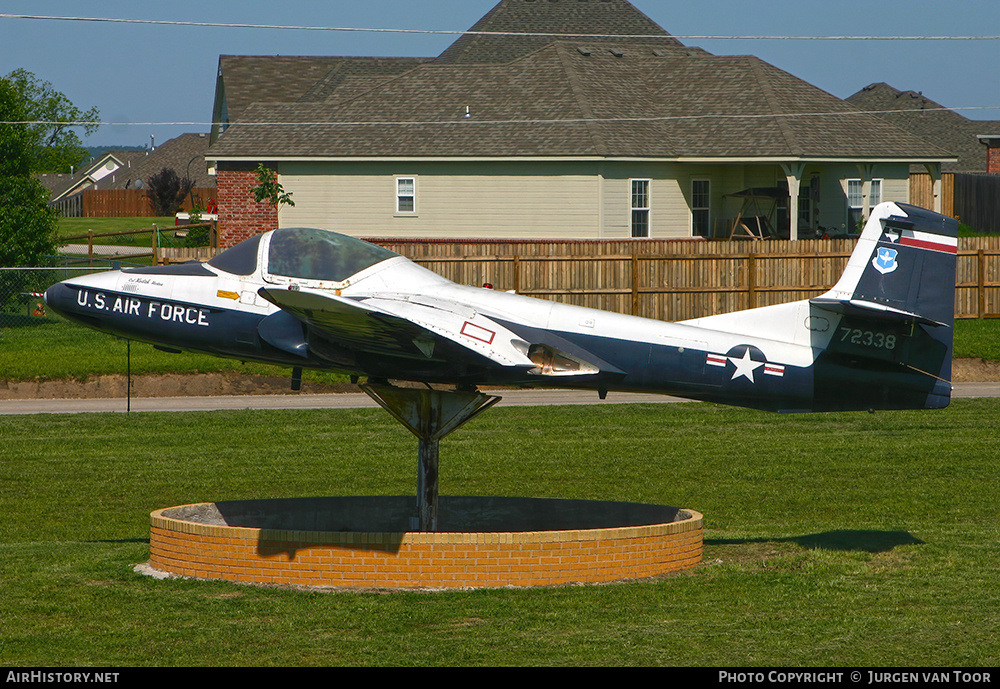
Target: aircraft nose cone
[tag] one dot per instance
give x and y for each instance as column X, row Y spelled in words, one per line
column 59, row 298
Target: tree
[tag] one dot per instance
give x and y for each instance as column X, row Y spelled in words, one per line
column 268, row 188
column 51, row 122
column 15, row 139
column 166, row 191
column 27, row 224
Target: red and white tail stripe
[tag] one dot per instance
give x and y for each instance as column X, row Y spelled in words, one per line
column 929, row 240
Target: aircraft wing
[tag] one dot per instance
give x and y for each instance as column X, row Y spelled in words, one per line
column 399, row 327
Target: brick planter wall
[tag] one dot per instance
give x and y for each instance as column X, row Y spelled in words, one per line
column 414, row 559
column 240, row 217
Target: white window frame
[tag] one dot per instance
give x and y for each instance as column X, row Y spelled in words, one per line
column 643, row 210
column 855, row 208
column 706, row 210
column 400, row 180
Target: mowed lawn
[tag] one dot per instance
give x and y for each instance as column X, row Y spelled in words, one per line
column 831, row 539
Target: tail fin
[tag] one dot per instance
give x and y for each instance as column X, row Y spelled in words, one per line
column 896, row 299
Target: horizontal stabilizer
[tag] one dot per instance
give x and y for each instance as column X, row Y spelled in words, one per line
column 869, row 309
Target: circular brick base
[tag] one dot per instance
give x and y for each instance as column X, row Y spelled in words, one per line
column 365, row 542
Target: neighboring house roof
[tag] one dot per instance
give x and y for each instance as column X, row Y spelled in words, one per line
column 596, row 96
column 185, row 154
column 61, row 185
column 123, row 169
column 55, row 182
column 915, row 113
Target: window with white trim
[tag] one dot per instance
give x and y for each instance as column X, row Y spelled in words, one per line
column 640, row 207
column 856, row 201
column 406, row 195
column 701, row 207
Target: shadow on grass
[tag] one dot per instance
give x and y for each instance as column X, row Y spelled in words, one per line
column 844, row 539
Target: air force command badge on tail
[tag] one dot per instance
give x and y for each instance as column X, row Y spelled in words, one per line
column 885, row 260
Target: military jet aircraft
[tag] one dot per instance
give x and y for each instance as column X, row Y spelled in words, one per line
column 881, row 338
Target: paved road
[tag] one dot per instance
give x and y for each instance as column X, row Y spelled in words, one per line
column 520, row 398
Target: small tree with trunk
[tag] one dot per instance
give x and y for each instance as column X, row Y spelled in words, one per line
column 268, row 189
column 166, row 191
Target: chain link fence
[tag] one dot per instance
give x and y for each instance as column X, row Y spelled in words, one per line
column 22, row 290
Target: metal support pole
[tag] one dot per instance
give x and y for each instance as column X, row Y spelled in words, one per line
column 427, row 485
column 430, row 415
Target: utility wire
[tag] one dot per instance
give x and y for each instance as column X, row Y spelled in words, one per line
column 449, row 32
column 464, row 121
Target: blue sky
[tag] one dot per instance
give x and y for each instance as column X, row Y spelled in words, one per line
column 137, row 73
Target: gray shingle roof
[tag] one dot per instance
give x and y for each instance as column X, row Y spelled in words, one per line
column 248, row 79
column 584, row 17
column 919, row 115
column 561, row 102
column 185, row 154
column 581, row 97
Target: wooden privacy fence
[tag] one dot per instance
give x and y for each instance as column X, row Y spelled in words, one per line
column 123, row 203
column 977, row 201
column 922, row 191
column 675, row 280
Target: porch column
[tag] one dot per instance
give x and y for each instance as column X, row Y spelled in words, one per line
column 865, row 171
column 934, row 170
column 793, row 175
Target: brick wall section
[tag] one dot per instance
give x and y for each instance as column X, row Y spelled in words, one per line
column 240, row 217
column 993, row 157
column 434, row 560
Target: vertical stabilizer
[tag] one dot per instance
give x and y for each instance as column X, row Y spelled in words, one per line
column 896, row 300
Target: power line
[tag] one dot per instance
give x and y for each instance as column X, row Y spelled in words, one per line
column 463, row 121
column 450, row 32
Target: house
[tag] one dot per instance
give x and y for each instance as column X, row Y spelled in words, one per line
column 63, row 185
column 185, row 154
column 919, row 115
column 131, row 170
column 971, row 186
column 620, row 131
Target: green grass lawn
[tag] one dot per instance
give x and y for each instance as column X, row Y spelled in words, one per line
column 831, row 539
column 69, row 227
column 56, row 349
column 977, row 339
column 77, row 229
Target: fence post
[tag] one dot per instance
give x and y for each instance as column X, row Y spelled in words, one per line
column 635, row 282
column 90, row 247
column 981, row 287
column 517, row 274
column 156, row 245
column 751, row 280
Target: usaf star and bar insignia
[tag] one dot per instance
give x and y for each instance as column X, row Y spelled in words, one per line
column 745, row 365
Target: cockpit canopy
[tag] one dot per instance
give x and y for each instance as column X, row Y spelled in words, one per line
column 302, row 253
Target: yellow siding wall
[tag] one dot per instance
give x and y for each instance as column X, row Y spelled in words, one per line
column 459, row 200
column 545, row 199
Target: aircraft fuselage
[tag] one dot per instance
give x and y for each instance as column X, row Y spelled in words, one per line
column 384, row 317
